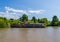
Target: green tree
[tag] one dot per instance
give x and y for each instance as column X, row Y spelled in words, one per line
column 20, row 18
column 38, row 20
column 55, row 21
column 34, row 19
column 3, row 22
column 13, row 21
column 24, row 18
column 44, row 20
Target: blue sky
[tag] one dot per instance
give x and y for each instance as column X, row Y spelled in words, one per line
column 37, row 8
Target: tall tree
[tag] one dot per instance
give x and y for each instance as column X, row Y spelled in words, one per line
column 38, row 20
column 20, row 18
column 55, row 21
column 43, row 20
column 24, row 18
column 34, row 19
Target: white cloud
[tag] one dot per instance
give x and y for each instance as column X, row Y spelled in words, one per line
column 36, row 11
column 14, row 10
column 11, row 12
column 25, row 11
column 2, row 12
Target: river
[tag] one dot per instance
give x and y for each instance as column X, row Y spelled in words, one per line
column 48, row 34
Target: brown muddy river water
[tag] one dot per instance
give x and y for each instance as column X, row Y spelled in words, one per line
column 49, row 34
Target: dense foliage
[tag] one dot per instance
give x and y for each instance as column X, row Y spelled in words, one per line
column 5, row 23
column 55, row 21
column 24, row 18
column 34, row 19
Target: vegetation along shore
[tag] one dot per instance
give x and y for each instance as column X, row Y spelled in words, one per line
column 23, row 22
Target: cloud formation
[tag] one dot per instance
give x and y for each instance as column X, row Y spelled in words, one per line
column 11, row 12
column 2, row 12
column 23, row 11
column 14, row 10
column 36, row 11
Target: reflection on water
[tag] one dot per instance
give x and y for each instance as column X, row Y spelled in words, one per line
column 49, row 34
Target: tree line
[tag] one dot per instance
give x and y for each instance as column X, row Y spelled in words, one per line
column 5, row 23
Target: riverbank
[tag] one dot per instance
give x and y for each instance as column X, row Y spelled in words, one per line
column 31, row 25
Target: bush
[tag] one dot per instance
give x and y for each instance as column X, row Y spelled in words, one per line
column 3, row 24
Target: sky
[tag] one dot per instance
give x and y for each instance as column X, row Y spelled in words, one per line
column 38, row 8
